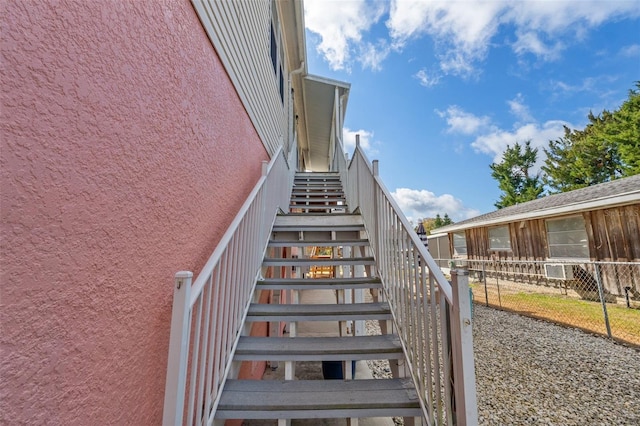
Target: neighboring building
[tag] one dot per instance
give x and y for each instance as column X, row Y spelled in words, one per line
column 596, row 223
column 132, row 133
column 438, row 246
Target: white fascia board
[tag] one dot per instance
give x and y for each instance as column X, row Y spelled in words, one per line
column 329, row 81
column 441, row 234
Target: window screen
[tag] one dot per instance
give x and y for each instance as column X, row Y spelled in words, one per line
column 567, row 237
column 459, row 244
column 499, row 238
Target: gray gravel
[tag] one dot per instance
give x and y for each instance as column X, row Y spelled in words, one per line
column 531, row 372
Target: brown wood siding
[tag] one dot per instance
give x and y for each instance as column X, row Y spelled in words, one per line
column 616, row 233
column 613, row 234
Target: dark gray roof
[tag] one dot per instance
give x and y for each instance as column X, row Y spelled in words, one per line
column 616, row 192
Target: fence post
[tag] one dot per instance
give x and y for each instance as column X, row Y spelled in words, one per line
column 176, row 382
column 466, row 411
column 602, row 299
column 484, row 278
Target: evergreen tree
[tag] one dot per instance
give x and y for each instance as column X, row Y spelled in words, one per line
column 446, row 220
column 437, row 223
column 607, row 148
column 514, row 176
column 583, row 157
column 623, row 131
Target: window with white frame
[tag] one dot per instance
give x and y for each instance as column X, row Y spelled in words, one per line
column 499, row 238
column 459, row 244
column 567, row 238
column 276, row 50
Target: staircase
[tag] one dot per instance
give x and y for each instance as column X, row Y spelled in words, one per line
column 319, row 217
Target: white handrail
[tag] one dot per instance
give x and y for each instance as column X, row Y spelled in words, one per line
column 431, row 314
column 208, row 314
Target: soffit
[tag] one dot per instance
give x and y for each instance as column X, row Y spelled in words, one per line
column 319, row 105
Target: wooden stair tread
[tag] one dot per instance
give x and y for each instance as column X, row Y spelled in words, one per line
column 318, row 312
column 319, row 348
column 318, row 261
column 288, row 220
column 318, row 283
column 272, row 399
column 317, row 242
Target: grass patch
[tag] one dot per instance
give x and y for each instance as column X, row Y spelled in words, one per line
column 587, row 315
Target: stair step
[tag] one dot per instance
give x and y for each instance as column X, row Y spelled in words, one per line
column 320, row 198
column 318, row 283
column 386, row 346
column 338, row 261
column 319, row 243
column 323, row 221
column 343, row 228
column 319, row 312
column 298, row 399
column 316, row 207
column 315, row 188
column 321, row 184
column 317, row 176
column 317, row 193
column 316, row 185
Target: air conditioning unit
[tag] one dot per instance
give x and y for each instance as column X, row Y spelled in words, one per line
column 558, row 271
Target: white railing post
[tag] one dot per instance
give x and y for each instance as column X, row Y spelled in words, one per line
column 357, row 173
column 178, row 350
column 462, row 341
column 376, row 203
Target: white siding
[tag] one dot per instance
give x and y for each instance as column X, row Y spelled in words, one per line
column 240, row 33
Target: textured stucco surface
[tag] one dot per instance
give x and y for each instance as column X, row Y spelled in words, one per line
column 125, row 155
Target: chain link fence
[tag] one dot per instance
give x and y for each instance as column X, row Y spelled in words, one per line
column 599, row 297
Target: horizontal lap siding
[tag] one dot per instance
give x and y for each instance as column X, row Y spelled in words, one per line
column 240, row 32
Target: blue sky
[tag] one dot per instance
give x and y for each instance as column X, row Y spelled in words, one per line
column 440, row 88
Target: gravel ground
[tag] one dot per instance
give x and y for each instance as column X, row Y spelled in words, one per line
column 531, row 372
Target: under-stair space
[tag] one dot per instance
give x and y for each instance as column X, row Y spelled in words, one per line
column 320, row 245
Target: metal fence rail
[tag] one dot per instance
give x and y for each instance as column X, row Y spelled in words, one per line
column 431, row 315
column 599, row 297
column 209, row 312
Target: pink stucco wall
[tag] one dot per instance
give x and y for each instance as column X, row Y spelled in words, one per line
column 125, row 155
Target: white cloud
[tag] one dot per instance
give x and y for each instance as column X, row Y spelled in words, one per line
column 519, row 109
column 631, row 51
column 460, row 121
column 564, row 16
column 530, row 42
column 341, row 25
column 427, row 79
column 366, row 141
column 372, row 56
column 492, row 140
column 463, row 31
column 420, row 203
column 495, row 142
